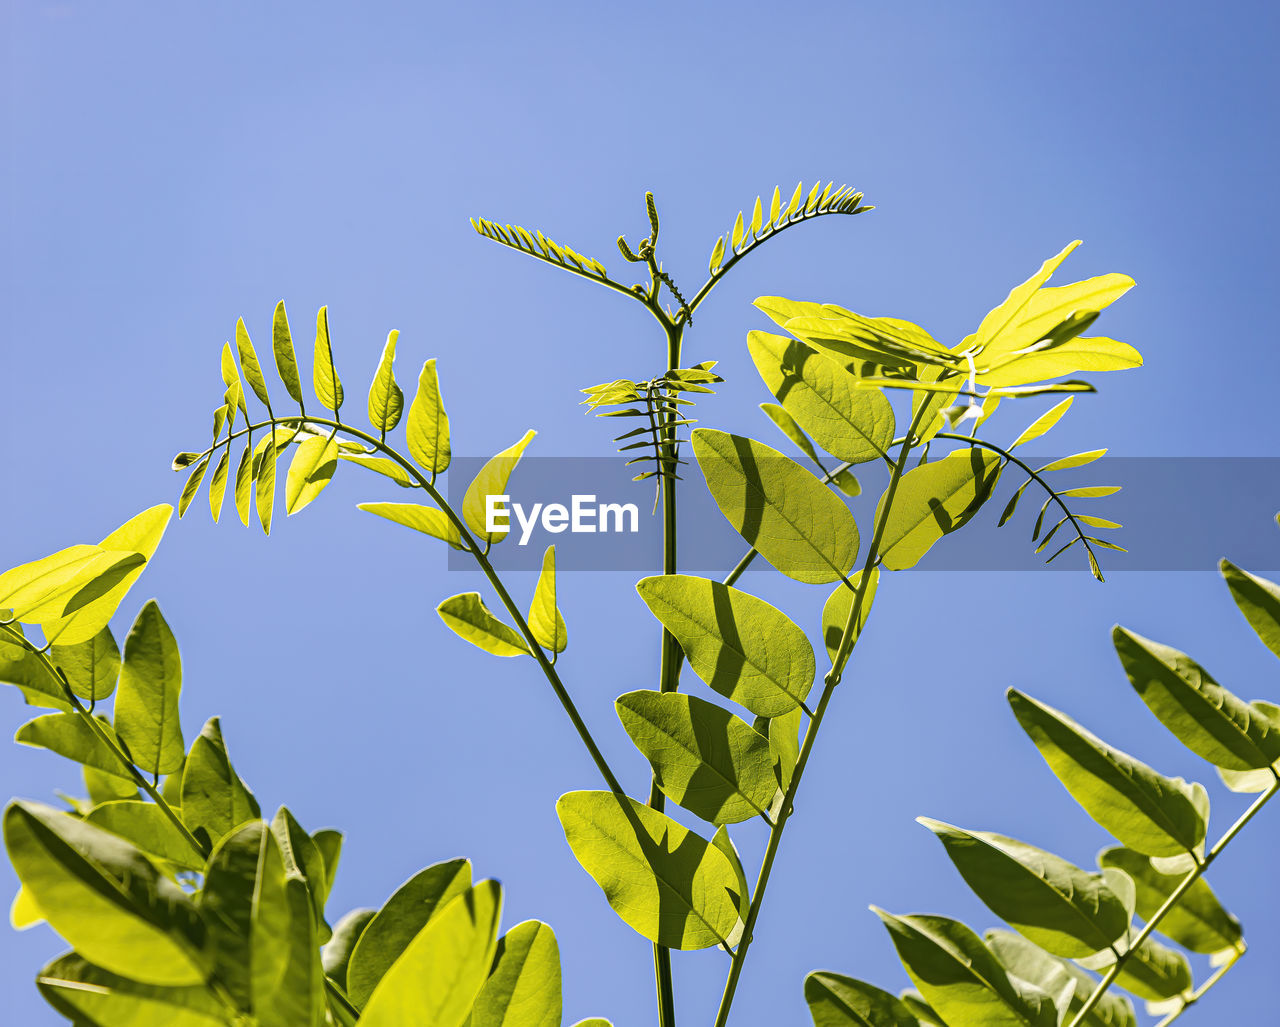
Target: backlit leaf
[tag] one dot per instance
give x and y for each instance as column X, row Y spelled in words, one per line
column 266, row 487
column 1148, row 812
column 1204, row 716
column 492, row 481
column 214, row 798
column 1091, row 355
column 426, row 519
column 741, row 646
column 88, row 995
column 68, row 735
column 192, row 486
column 436, row 979
column 1154, row 972
column 298, row 1000
column 703, row 757
column 336, row 955
column 311, row 469
column 1031, row 963
column 838, row 1001
column 1259, row 601
column 836, row 610
column 249, row 364
column 218, row 484
column 427, row 430
column 146, row 713
column 396, row 924
column 286, row 361
column 523, row 990
column 381, row 465
column 325, row 378
column 934, row 500
column 667, row 883
column 469, row 618
column 146, row 826
column 91, row 667
column 545, row 621
column 782, row 510
column 788, row 426
column 104, row 897
column 1044, row 422
column 386, row 398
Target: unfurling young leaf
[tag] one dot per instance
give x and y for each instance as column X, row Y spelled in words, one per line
column 427, row 430
column 386, row 399
column 545, row 620
column 492, row 481
column 146, row 713
column 325, row 378
column 468, row 617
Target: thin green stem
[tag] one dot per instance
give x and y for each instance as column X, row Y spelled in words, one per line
column 1192, row 876
column 1031, row 473
column 135, row 775
column 815, row 723
column 470, row 545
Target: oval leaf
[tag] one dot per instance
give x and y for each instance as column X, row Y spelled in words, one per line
column 1259, row 601
column 386, row 399
column 934, row 500
column 523, row 989
column 325, row 378
column 146, row 714
column 426, row 519
column 545, row 620
column 492, row 481
column 427, row 430
column 311, row 469
column 282, row 347
column 838, row 1001
column 214, row 799
column 468, row 617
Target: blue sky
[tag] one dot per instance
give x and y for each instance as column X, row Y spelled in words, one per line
column 173, row 167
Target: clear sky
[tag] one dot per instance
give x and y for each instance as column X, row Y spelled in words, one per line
column 171, row 167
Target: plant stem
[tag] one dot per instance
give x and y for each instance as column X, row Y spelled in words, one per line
column 135, row 775
column 1205, row 988
column 1191, row 878
column 815, row 724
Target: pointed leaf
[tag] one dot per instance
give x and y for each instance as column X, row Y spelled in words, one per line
column 468, row 617
column 1204, row 716
column 838, row 1001
column 1044, row 422
column 426, row 519
column 286, row 361
column 244, row 485
column 1156, row 815
column 68, row 735
column 427, row 430
column 381, row 465
column 724, row 843
column 146, row 714
column 104, row 897
column 1031, row 963
column 1259, row 601
column 91, row 667
column 249, row 364
column 214, row 799
column 146, row 826
column 545, row 621
column 438, row 976
column 788, row 426
column 403, row 917
column 835, row 613
column 299, row 999
column 325, row 378
column 1154, row 972
column 492, row 481
column 88, row 995
column 786, row 513
column 933, row 501
column 266, row 487
column 386, row 399
column 336, row 955
column 1060, row 907
column 667, row 883
column 311, row 469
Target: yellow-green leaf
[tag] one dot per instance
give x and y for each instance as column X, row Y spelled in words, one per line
column 426, row 519
column 427, row 430
column 146, row 713
column 325, row 378
column 934, row 500
column 492, row 481
column 386, row 399
column 310, row 471
column 469, row 618
column 249, row 364
column 545, row 620
column 286, row 361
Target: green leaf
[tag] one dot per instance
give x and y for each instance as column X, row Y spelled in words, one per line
column 325, row 378
column 928, row 404
column 1197, row 921
column 440, row 973
column 1203, row 715
column 93, row 997
column 68, row 735
column 299, row 1000
column 1148, row 812
column 218, row 484
column 782, row 510
column 835, row 613
column 1076, row 460
column 146, row 826
column 249, row 364
column 329, row 842
column 399, row 921
column 311, row 469
column 724, row 843
column 140, row 534
column 381, row 465
column 961, row 978
column 1249, row 781
column 386, row 399
column 48, row 592
column 104, row 897
column 784, row 742
column 286, row 361
column 266, row 487
column 303, row 858
column 523, row 989
column 788, row 426
column 838, row 1001
column 852, row 424
column 1044, row 422
column 935, row 500
column 492, row 481
column 919, row 1008
column 426, row 519
column 104, row 787
column 999, row 334
column 235, row 389
column 468, row 617
column 245, row 904
column 146, row 714
column 244, row 485
column 192, row 486
column 214, row 799
column 1060, row 907
column 1154, row 972
column 31, row 677
column 545, row 621
column 1092, row 355
column 336, row 955
column 741, row 646
column 846, row 483
column 710, row 762
column 665, row 882
column 427, row 430
column 1259, row 601
column 887, row 341
column 1031, row 963
column 92, row 667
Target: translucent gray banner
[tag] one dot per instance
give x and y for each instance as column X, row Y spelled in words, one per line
column 1178, row 514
